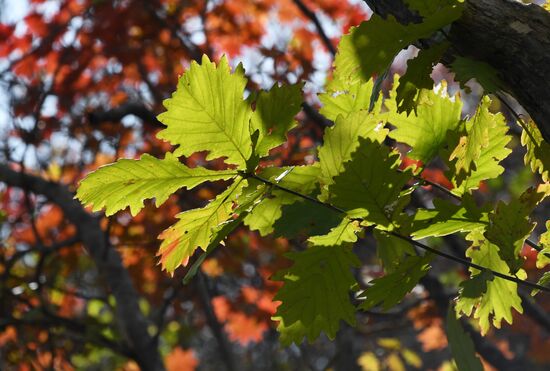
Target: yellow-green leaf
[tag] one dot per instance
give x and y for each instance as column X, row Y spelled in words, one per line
column 129, row 182
column 208, row 113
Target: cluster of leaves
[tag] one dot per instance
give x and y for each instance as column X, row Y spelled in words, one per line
column 359, row 183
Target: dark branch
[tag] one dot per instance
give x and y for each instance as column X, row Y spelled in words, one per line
column 118, row 113
column 405, row 238
column 320, row 30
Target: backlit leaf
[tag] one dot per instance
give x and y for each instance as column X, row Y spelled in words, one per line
column 342, row 139
column 389, row 290
column 299, row 178
column 509, row 225
column 538, row 151
column 418, row 77
column 316, row 293
column 370, row 48
column 129, row 182
column 274, row 116
column 447, row 218
column 196, row 229
column 370, row 183
column 346, row 231
column 427, row 130
column 501, row 296
column 208, row 113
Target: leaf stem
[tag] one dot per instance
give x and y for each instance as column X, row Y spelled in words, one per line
column 405, row 238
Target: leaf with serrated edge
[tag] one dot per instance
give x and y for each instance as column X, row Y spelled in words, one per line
column 346, row 231
column 501, row 296
column 196, row 228
column 392, row 288
column 466, row 69
column 274, row 116
column 302, row 179
column 370, row 183
column 427, row 131
column 487, row 165
column 208, row 113
column 447, row 218
column 315, row 294
column 509, row 225
column 342, row 139
column 538, row 151
column 543, row 258
column 477, row 138
column 370, row 48
column 418, row 77
column 129, row 182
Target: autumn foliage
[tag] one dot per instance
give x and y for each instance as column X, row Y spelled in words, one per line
column 83, row 82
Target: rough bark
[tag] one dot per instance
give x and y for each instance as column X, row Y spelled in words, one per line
column 128, row 315
column 512, row 37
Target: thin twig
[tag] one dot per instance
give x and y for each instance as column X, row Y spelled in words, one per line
column 470, row 264
column 320, row 30
column 408, row 239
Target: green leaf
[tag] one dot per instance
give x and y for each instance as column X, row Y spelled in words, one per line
column 208, row 113
column 427, row 131
column 302, row 179
column 461, row 344
column 418, row 77
column 447, row 218
column 543, row 281
column 196, row 228
column 346, row 231
column 501, row 295
column 274, row 116
column 391, row 250
column 509, row 225
column 487, row 163
column 219, row 233
column 543, row 257
column 370, row 48
column 344, row 99
column 466, row 69
column 370, row 183
column 476, row 285
column 342, row 139
column 392, row 288
column 306, row 217
column 316, row 293
column 129, row 182
column 538, row 151
column 470, row 146
column 430, row 7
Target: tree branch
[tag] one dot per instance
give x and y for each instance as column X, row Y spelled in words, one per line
column 405, row 238
column 132, row 322
column 320, row 30
column 118, row 113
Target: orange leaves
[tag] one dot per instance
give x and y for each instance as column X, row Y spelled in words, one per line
column 246, row 320
column 180, row 359
column 48, row 223
column 36, row 24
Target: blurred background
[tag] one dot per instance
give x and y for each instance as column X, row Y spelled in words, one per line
column 81, row 82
